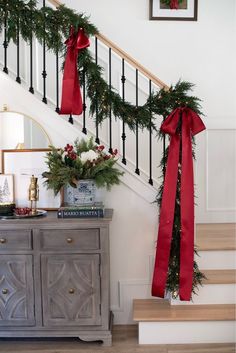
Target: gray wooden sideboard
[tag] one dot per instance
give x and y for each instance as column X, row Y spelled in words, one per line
column 54, row 278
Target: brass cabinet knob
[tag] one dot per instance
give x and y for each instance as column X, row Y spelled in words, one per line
column 3, row 241
column 5, row 291
column 69, row 240
column 71, row 291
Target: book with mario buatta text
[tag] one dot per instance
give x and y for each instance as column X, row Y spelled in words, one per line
column 93, row 211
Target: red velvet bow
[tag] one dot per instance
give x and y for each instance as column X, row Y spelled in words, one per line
column 71, row 101
column 174, row 4
column 191, row 124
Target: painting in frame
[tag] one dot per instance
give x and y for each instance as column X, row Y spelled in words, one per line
column 6, row 188
column 22, row 164
column 173, row 10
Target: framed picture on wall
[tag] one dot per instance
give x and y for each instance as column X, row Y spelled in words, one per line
column 6, row 188
column 22, row 164
column 173, row 10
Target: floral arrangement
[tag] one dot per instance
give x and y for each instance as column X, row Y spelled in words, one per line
column 84, row 160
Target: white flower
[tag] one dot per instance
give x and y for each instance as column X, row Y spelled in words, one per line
column 88, row 156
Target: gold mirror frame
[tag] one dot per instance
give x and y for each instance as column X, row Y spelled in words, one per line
column 6, row 110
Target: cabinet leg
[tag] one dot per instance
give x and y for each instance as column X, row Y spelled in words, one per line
column 105, row 338
column 107, row 342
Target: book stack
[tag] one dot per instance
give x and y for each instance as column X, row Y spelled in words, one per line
column 84, row 211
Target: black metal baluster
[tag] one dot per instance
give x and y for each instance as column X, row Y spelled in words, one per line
column 96, row 123
column 136, row 132
column 110, row 118
column 57, row 82
column 5, row 43
column 44, row 73
column 31, row 89
column 150, row 139
column 18, row 79
column 123, row 136
column 84, row 130
column 71, row 120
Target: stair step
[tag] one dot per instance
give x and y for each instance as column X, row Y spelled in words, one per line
column 219, row 276
column 217, row 236
column 160, row 310
column 160, row 323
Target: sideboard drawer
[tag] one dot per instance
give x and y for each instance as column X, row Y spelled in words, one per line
column 70, row 239
column 15, row 239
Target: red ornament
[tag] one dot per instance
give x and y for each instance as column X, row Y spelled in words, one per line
column 71, row 101
column 191, row 125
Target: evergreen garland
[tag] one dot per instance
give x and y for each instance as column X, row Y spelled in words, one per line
column 53, row 26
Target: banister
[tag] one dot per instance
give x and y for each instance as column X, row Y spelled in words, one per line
column 131, row 61
column 55, row 2
column 124, row 55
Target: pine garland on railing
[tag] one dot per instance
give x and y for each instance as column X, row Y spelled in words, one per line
column 56, row 23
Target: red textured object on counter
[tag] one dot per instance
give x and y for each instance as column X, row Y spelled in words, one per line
column 22, row 211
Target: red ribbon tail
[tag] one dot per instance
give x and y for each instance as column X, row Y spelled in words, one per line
column 166, row 220
column 77, row 104
column 71, row 101
column 187, row 215
column 70, row 86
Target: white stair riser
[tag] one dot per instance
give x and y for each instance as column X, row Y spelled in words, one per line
column 186, row 332
column 211, row 294
column 215, row 260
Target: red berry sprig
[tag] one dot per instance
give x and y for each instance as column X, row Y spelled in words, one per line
column 70, row 151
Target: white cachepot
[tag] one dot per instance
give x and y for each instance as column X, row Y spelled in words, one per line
column 84, row 194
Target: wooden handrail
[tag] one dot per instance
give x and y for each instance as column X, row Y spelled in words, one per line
column 55, row 2
column 124, row 55
column 131, row 61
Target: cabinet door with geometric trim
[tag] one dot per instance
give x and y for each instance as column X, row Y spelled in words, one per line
column 71, row 289
column 16, row 291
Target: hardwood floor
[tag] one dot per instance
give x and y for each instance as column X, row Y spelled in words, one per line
column 124, row 341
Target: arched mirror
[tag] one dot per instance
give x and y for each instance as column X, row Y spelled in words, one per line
column 20, row 131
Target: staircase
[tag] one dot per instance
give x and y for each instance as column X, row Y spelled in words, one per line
column 210, row 318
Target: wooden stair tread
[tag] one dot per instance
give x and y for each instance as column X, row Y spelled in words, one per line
column 160, row 310
column 219, row 276
column 216, row 236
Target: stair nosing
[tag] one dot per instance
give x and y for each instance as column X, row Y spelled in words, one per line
column 161, row 311
column 219, row 276
column 215, row 236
